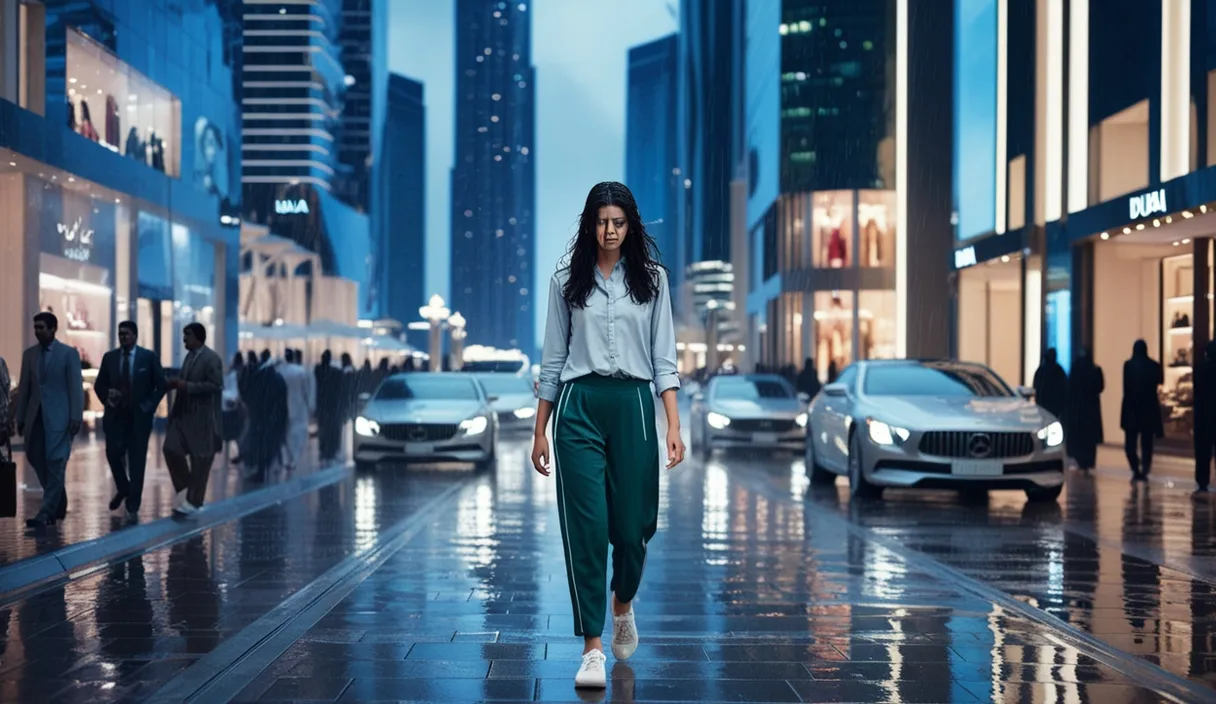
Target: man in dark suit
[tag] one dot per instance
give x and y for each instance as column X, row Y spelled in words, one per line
column 130, row 383
column 50, row 406
column 194, row 437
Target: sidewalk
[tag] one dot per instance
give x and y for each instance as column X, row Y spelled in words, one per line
column 90, row 487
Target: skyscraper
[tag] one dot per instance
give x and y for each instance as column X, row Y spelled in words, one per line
column 402, row 243
column 364, row 54
column 494, row 179
column 651, row 167
column 294, row 91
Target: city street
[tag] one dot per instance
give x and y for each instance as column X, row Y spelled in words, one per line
column 437, row 584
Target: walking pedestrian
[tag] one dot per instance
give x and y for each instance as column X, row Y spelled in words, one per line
column 330, row 406
column 193, row 437
column 266, row 398
column 300, row 402
column 1140, row 414
column 1051, row 386
column 808, row 379
column 50, row 406
column 6, row 390
column 1205, row 416
column 1085, row 411
column 609, row 335
column 233, row 408
column 130, row 384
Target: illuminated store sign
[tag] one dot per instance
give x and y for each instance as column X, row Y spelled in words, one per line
column 77, row 240
column 291, row 207
column 964, row 257
column 1146, row 204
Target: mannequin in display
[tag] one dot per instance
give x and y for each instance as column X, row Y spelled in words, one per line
column 833, row 336
column 157, row 148
column 87, row 130
column 113, row 135
column 135, row 146
column 871, row 244
column 71, row 114
column 835, row 249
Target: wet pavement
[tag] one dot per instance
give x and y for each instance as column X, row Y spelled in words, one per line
column 449, row 586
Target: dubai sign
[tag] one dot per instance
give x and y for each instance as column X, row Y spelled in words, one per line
column 291, row 207
column 77, row 240
column 1147, row 204
column 964, row 257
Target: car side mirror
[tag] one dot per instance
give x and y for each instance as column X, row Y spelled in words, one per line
column 804, row 397
column 836, row 390
column 364, row 397
column 1026, row 392
column 491, row 399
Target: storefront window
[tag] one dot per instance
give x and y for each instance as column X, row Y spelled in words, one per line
column 194, row 263
column 876, row 325
column 76, row 234
column 1177, row 353
column 832, row 223
column 116, row 106
column 876, row 223
column 833, row 332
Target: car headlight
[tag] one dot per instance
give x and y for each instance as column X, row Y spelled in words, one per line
column 884, row 434
column 717, row 421
column 1053, row 434
column 800, row 419
column 474, row 426
column 366, row 427
column 525, row 412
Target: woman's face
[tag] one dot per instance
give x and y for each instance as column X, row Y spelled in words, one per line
column 611, row 227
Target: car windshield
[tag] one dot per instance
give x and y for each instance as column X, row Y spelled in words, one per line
column 933, row 380
column 509, row 366
column 427, row 386
column 503, row 384
column 744, row 389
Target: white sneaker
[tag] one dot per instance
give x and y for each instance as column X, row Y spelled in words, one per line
column 624, row 635
column 591, row 673
column 186, row 509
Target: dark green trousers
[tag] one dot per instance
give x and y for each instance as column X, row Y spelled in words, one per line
column 606, row 458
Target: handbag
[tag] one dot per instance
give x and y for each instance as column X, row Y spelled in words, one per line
column 8, row 482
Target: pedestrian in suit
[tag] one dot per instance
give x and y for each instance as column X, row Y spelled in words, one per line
column 193, row 437
column 130, row 383
column 50, row 406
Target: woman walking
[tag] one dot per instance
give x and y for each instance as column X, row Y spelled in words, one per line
column 609, row 335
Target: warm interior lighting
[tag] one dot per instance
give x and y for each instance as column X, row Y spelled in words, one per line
column 901, row 178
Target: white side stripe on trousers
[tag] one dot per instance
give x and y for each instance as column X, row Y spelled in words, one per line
column 642, row 412
column 557, row 468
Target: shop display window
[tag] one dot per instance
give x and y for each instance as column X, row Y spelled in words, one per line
column 876, row 229
column 118, row 107
column 1177, row 347
column 832, row 225
column 194, row 283
column 833, row 332
column 876, row 325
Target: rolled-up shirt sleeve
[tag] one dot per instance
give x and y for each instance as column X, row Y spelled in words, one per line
column 663, row 340
column 557, row 343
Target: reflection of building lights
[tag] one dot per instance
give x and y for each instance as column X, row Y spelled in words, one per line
column 366, row 530
column 715, row 520
column 476, row 526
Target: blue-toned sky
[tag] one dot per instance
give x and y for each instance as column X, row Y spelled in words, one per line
column 579, row 48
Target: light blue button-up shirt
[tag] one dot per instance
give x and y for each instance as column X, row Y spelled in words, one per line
column 612, row 335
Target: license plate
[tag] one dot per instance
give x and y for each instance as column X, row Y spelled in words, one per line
column 985, row 468
column 764, row 438
column 419, row 448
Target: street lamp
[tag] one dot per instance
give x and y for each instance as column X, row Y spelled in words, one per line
column 435, row 312
column 457, row 323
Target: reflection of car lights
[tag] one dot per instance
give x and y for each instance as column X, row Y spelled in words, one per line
column 366, row 427
column 1053, row 434
column 717, row 421
column 883, row 434
column 525, row 413
column 474, row 426
column 800, row 419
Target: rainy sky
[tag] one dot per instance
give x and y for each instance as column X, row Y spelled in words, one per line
column 579, row 49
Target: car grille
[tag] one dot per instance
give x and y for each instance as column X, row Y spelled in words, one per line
column 761, row 425
column 419, row 432
column 978, row 445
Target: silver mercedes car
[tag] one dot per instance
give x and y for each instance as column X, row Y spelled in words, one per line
column 515, row 399
column 748, row 410
column 427, row 417
column 932, row 424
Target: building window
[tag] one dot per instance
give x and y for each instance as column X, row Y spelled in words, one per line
column 23, row 56
column 832, row 229
column 1119, row 154
column 118, row 107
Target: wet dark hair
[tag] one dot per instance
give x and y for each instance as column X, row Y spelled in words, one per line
column 47, row 319
column 197, row 330
column 130, row 325
column 639, row 252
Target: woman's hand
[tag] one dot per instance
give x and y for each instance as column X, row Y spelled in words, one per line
column 675, row 446
column 540, row 454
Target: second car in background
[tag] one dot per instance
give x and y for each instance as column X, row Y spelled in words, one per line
column 759, row 411
column 514, row 399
